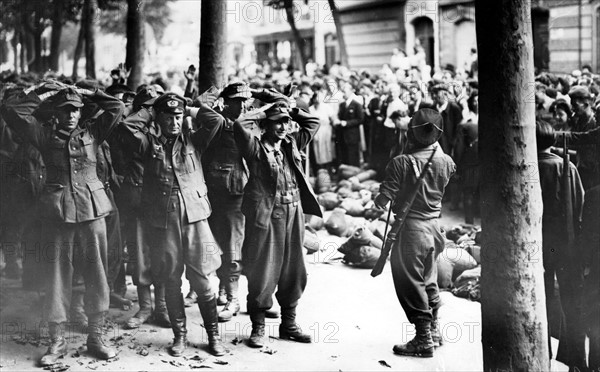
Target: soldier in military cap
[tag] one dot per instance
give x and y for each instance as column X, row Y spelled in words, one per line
column 226, row 176
column 73, row 202
column 275, row 200
column 413, row 257
column 175, row 210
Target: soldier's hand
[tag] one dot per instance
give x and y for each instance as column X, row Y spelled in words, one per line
column 381, row 201
column 208, row 98
column 190, row 74
column 270, row 96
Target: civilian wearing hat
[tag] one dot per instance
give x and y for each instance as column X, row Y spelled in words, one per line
column 583, row 120
column 275, row 200
column 175, row 210
column 73, row 203
column 413, row 257
column 226, row 176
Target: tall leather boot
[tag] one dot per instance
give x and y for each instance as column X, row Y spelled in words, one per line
column 232, row 307
column 145, row 311
column 208, row 310
column 95, row 340
column 160, row 315
column 77, row 311
column 58, row 345
column 436, row 335
column 258, row 329
column 177, row 317
column 421, row 345
column 289, row 330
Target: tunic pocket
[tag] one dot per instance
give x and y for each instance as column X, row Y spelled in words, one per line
column 102, row 205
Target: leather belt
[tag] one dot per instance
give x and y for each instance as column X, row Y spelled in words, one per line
column 288, row 196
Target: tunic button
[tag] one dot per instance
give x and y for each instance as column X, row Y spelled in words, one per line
column 75, row 171
column 164, row 193
column 170, row 167
column 41, row 176
column 76, row 184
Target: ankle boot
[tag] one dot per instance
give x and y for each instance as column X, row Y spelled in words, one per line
column 190, row 299
column 436, row 335
column 289, row 330
column 232, row 307
column 160, row 316
column 57, row 348
column 177, row 317
column 258, row 329
column 222, row 299
column 95, row 340
column 208, row 310
column 78, row 312
column 145, row 311
column 421, row 345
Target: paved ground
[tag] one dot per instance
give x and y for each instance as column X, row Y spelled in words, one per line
column 354, row 319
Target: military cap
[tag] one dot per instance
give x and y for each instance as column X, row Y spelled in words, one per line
column 439, row 87
column 580, row 92
column 426, row 126
column 145, row 97
column 236, row 90
column 115, row 89
column 170, row 103
column 277, row 112
column 67, row 97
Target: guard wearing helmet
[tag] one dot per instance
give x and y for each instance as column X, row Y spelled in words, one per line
column 413, row 258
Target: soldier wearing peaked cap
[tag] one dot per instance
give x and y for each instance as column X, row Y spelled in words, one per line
column 175, row 210
column 73, row 203
column 413, row 257
column 583, row 120
column 226, row 176
column 275, row 200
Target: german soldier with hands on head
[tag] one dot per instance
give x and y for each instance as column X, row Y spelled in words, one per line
column 73, row 201
column 275, row 200
column 175, row 209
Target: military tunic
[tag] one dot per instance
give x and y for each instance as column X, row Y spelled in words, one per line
column 73, row 202
column 275, row 200
column 413, row 257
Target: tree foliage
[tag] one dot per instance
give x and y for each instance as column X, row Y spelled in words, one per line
column 114, row 17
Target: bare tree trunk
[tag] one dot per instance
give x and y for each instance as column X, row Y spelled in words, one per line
column 78, row 52
column 57, row 24
column 213, row 37
column 340, row 33
column 135, row 42
column 15, row 42
column 88, row 23
column 298, row 40
column 514, row 324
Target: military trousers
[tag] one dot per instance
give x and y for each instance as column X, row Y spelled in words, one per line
column 227, row 224
column 273, row 258
column 116, row 265
column 183, row 245
column 414, row 269
column 80, row 247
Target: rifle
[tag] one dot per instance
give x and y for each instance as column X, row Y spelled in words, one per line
column 567, row 199
column 390, row 239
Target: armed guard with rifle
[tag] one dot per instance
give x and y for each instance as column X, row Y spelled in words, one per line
column 414, row 184
column 562, row 195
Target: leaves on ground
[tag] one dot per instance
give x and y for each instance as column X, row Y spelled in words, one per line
column 384, row 363
column 236, row 341
column 268, row 350
column 58, row 367
column 221, row 362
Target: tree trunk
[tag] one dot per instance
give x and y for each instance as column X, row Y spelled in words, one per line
column 57, row 24
column 298, row 40
column 514, row 325
column 135, row 42
column 213, row 37
column 89, row 25
column 78, row 52
column 15, row 42
column 340, row 33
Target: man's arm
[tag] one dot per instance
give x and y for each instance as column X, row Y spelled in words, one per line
column 208, row 122
column 309, row 125
column 113, row 112
column 591, row 137
column 246, row 141
column 134, row 130
column 391, row 185
column 18, row 112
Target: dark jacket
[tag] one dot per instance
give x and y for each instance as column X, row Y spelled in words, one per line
column 452, row 117
column 224, row 167
column 259, row 194
column 354, row 115
column 183, row 163
column 72, row 193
